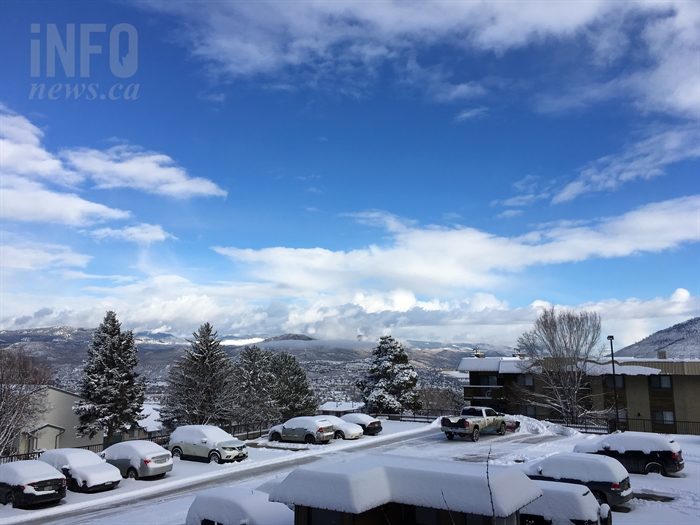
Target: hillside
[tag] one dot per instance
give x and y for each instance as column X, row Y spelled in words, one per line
column 680, row 341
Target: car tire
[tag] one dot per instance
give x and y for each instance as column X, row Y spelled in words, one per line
column 600, row 497
column 339, row 435
column 9, row 498
column 502, row 429
column 475, row 434
column 309, row 439
column 214, row 457
column 275, row 436
column 132, row 474
column 653, row 468
column 177, row 452
column 450, row 435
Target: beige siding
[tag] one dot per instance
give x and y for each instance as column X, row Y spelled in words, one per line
column 686, row 393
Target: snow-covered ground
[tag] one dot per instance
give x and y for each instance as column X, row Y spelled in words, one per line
column 189, row 473
column 535, row 440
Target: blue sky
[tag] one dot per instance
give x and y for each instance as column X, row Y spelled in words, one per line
column 436, row 171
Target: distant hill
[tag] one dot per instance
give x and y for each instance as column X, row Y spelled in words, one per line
column 680, row 341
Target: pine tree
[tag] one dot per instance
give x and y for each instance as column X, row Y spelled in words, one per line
column 200, row 387
column 111, row 389
column 254, row 385
column 292, row 392
column 389, row 386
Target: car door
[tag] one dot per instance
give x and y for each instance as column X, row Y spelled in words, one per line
column 288, row 431
column 490, row 416
column 198, row 448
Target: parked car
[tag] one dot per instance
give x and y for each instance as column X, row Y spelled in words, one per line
column 370, row 425
column 565, row 503
column 344, row 429
column 206, row 442
column 640, row 452
column 85, row 471
column 605, row 477
column 139, row 459
column 236, row 505
column 472, row 421
column 303, row 429
column 30, row 482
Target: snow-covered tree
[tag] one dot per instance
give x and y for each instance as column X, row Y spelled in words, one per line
column 200, row 387
column 22, row 395
column 255, row 384
column 111, row 390
column 390, row 384
column 559, row 348
column 291, row 392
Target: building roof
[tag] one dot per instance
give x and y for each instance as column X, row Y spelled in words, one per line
column 628, row 366
column 501, row 365
column 363, row 483
column 341, row 406
column 598, row 369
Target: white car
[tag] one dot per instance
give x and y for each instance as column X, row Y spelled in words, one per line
column 370, row 425
column 85, row 471
column 344, row 429
column 303, row 429
column 206, row 442
column 139, row 459
column 236, row 505
column 565, row 503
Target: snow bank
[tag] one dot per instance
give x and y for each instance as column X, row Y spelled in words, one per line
column 360, row 484
column 535, row 426
column 235, row 506
column 624, row 441
column 573, row 465
column 28, row 471
column 562, row 502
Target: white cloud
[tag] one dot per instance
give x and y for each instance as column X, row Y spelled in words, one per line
column 139, row 233
column 130, row 167
column 432, row 260
column 28, row 201
column 642, row 160
column 38, row 257
column 509, row 214
column 469, row 114
column 77, row 275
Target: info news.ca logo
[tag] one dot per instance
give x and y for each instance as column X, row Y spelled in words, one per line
column 62, row 59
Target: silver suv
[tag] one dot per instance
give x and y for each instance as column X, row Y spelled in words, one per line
column 206, row 442
column 304, row 429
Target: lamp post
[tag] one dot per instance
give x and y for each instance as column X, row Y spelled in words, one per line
column 612, row 356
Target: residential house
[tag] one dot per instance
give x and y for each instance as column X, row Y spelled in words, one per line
column 339, row 408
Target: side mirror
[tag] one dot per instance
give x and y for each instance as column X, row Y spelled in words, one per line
column 204, row 440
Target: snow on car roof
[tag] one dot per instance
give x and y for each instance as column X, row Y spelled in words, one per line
column 564, row 501
column 584, row 467
column 341, row 406
column 28, row 471
column 196, row 432
column 307, row 419
column 234, row 505
column 364, row 483
column 623, row 441
column 136, row 445
column 358, row 417
column 59, row 457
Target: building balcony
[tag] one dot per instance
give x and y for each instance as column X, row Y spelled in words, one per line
column 484, row 392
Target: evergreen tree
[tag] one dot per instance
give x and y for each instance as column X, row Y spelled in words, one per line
column 291, row 392
column 200, row 387
column 111, row 389
column 389, row 386
column 254, row 385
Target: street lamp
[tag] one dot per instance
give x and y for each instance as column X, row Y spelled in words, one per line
column 612, row 356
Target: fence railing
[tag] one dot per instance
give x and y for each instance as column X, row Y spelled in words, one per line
column 594, row 425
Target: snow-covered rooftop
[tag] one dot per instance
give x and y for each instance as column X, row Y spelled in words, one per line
column 362, row 483
column 502, row 365
column 341, row 406
column 596, row 369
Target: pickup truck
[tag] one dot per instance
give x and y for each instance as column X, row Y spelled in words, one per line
column 472, row 422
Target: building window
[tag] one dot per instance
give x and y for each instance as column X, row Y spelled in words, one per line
column 660, row 382
column 665, row 417
column 619, row 382
column 525, row 380
column 530, row 410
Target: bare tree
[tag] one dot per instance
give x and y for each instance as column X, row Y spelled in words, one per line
column 559, row 348
column 22, row 385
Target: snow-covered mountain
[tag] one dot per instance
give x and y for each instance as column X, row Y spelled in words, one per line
column 680, row 341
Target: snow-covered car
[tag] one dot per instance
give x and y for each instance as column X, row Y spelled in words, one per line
column 370, row 425
column 565, row 503
column 344, row 429
column 605, row 477
column 139, row 459
column 236, row 505
column 303, row 429
column 85, row 471
column 640, row 452
column 206, row 442
column 30, row 482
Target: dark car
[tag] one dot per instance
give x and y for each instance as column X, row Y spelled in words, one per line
column 639, row 452
column 370, row 425
column 606, row 478
column 31, row 482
